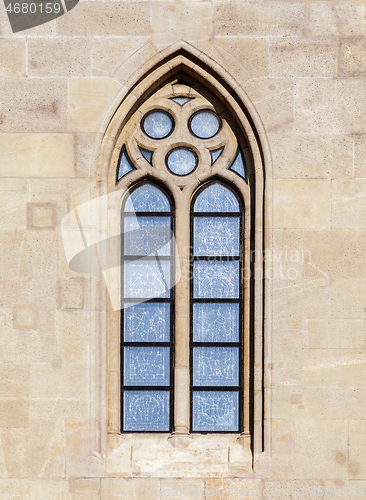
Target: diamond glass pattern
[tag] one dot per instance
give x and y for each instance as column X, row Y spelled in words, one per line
column 146, row 366
column 157, row 124
column 147, row 322
column 215, row 411
column 146, row 410
column 181, row 161
column 216, row 236
column 205, row 124
column 215, row 322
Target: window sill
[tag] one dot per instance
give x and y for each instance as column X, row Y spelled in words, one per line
column 153, row 455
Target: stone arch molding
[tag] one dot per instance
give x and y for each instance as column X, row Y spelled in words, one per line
column 183, row 58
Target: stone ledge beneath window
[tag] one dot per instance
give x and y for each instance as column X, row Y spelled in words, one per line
column 152, row 455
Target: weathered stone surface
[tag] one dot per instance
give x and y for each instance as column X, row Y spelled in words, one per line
column 251, row 53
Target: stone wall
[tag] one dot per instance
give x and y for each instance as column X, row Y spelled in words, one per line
column 302, row 66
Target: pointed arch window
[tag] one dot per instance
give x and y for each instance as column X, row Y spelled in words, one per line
column 185, row 364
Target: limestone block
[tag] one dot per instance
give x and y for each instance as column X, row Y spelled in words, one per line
column 251, row 53
column 42, row 292
column 334, row 333
column 50, row 191
column 338, row 368
column 50, row 489
column 311, row 156
column 325, row 106
column 352, row 57
column 41, row 216
column 59, row 57
column 74, row 328
column 175, row 487
column 71, row 293
column 348, row 403
column 31, row 345
column 13, row 185
column 38, row 254
column 13, row 210
column 35, row 452
column 302, row 203
column 297, row 403
column 304, row 299
column 259, row 18
column 14, row 381
column 302, row 57
column 135, row 62
column 36, row 155
column 107, row 19
column 338, row 18
column 349, row 204
column 85, row 489
column 68, row 381
column 360, row 156
column 282, row 437
column 273, row 99
column 287, row 353
column 25, row 317
column 89, row 99
column 316, row 453
column 14, row 412
column 18, row 488
column 109, row 53
column 232, row 488
column 338, row 253
column 188, row 21
column 287, row 257
column 33, row 104
column 349, row 298
column 12, row 56
column 357, row 444
column 131, row 488
column 58, row 408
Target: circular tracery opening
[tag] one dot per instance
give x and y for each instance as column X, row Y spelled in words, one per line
column 157, row 124
column 204, row 124
column 181, row 161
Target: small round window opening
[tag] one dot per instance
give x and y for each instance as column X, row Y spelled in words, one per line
column 204, row 124
column 181, row 161
column 157, row 124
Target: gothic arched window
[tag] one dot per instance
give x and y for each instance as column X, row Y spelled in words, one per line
column 186, row 312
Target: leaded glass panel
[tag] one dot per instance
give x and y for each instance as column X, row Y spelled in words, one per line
column 216, row 366
column 215, row 322
column 216, row 198
column 215, row 411
column 146, row 411
column 146, row 366
column 147, row 198
column 216, row 236
column 216, row 280
column 205, row 124
column 147, row 322
column 157, row 124
column 147, row 236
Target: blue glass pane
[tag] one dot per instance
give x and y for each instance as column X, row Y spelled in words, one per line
column 147, row 235
column 146, row 365
column 181, row 161
column 146, row 410
column 238, row 165
column 147, row 198
column 216, row 198
column 205, row 124
column 181, row 100
column 216, row 366
column 125, row 165
column 216, row 322
column 147, row 154
column 215, row 154
column 216, row 279
column 147, row 279
column 157, row 124
column 147, row 322
column 216, row 236
column 215, row 411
